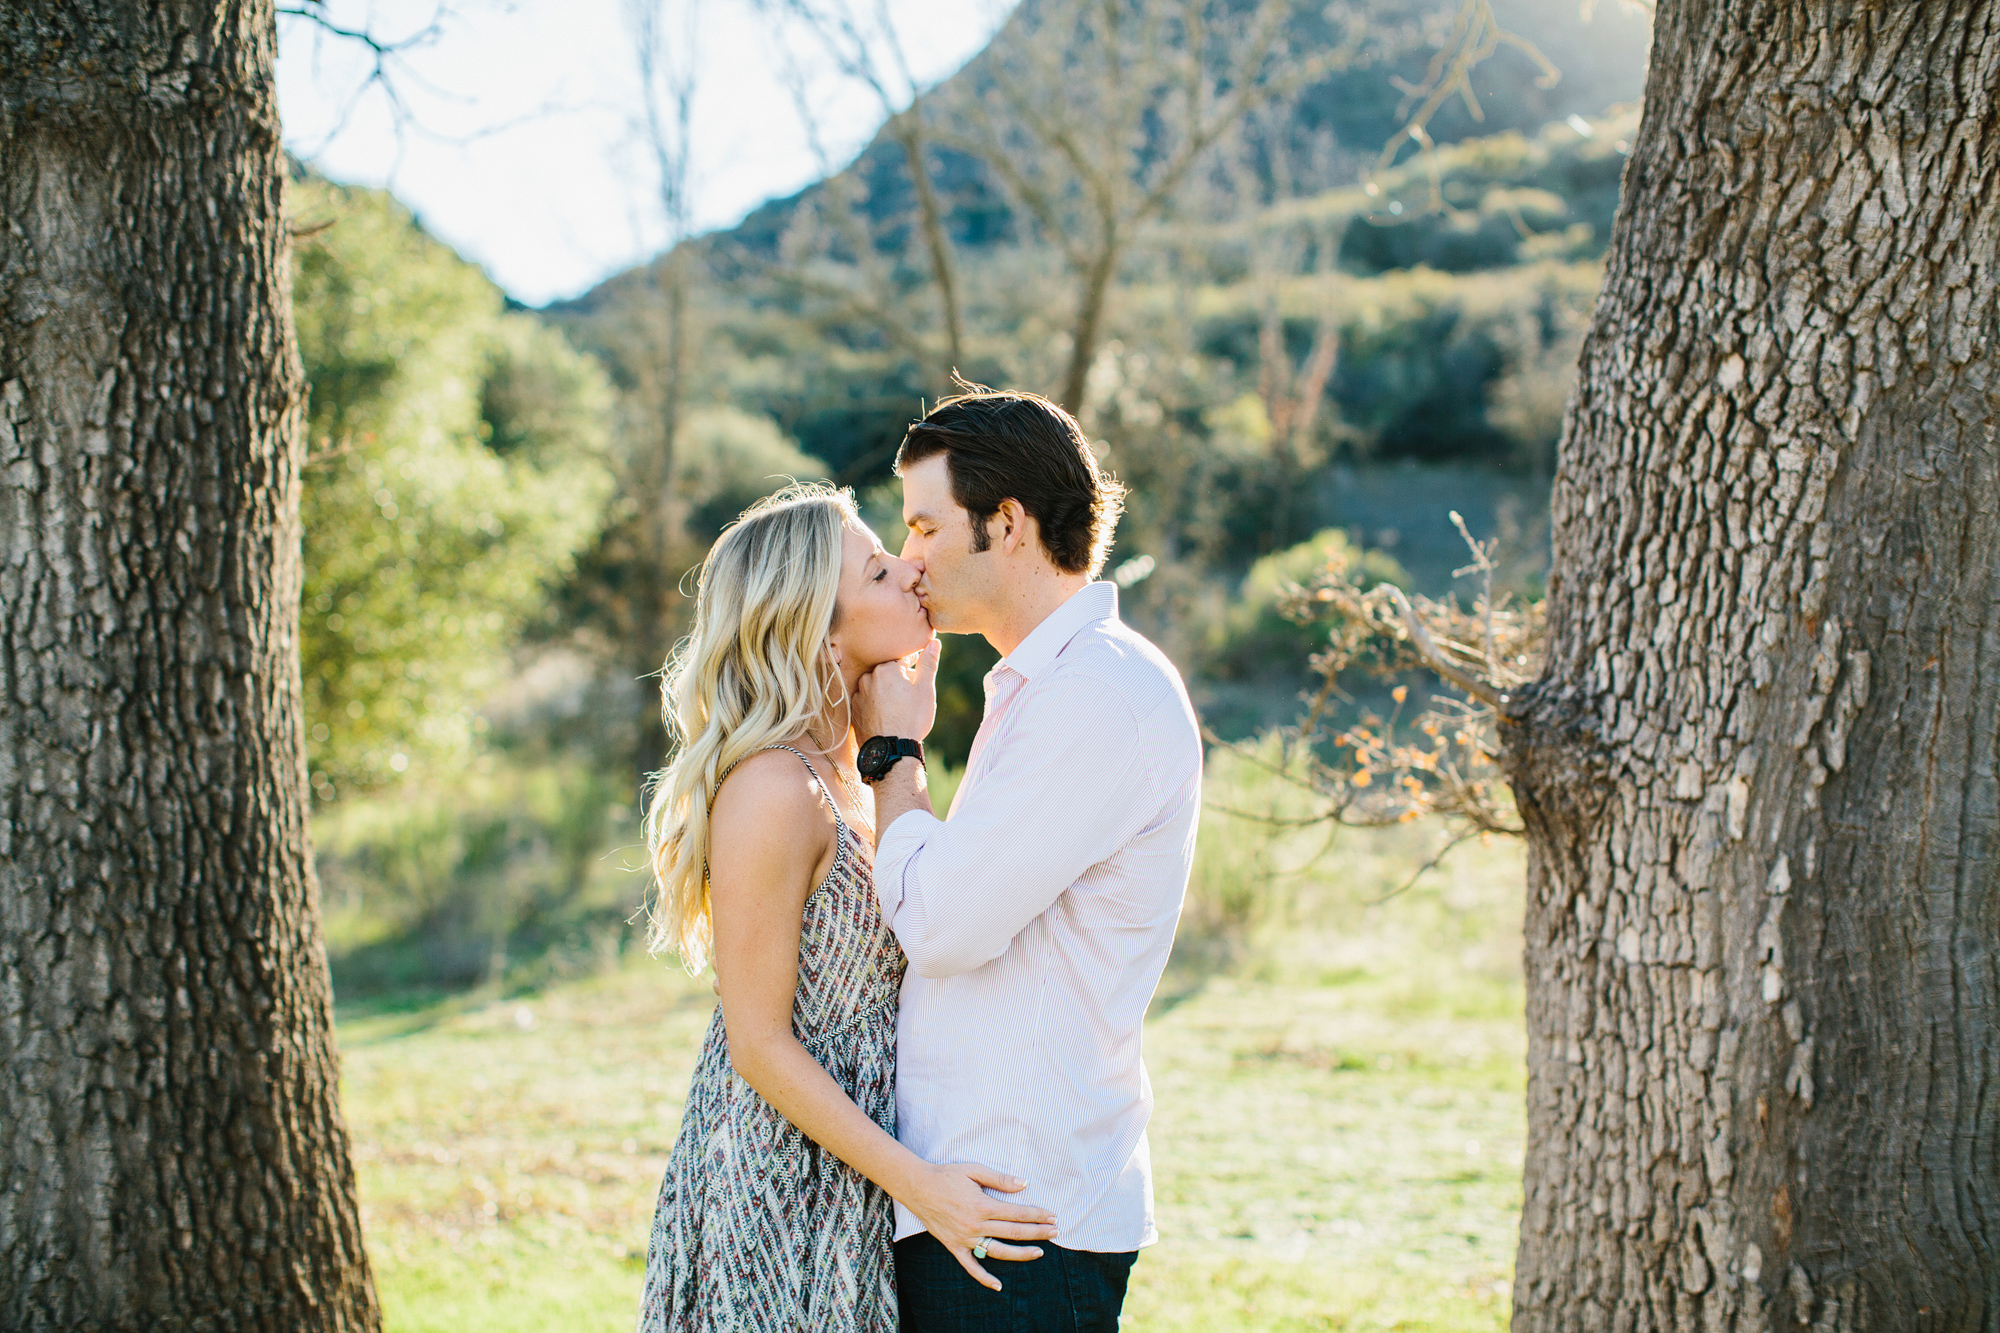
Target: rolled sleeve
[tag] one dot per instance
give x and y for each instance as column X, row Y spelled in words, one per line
column 898, row 845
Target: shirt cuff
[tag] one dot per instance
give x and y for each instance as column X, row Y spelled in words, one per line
column 895, row 847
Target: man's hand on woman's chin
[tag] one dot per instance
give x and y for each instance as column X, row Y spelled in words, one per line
column 898, row 700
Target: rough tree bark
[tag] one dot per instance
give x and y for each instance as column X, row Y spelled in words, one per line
column 1759, row 771
column 171, row 1155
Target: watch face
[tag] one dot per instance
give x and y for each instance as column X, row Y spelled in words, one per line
column 874, row 756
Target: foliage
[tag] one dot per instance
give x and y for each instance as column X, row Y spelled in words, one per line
column 1257, row 634
column 1360, row 103
column 728, row 459
column 724, row 459
column 840, row 347
column 508, row 1152
column 456, row 467
column 1424, row 354
column 1218, row 313
column 1526, row 401
column 1430, row 365
column 1261, row 350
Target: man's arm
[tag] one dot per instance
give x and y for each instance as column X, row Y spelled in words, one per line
column 1064, row 790
column 895, row 700
column 906, row 788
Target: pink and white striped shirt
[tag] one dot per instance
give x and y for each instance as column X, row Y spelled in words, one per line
column 1037, row 919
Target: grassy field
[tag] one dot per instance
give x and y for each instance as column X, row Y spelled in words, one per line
column 1336, row 1143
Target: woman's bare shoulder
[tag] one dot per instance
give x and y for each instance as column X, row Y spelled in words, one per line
column 770, row 801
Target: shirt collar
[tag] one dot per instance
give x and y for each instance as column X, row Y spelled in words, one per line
column 1085, row 607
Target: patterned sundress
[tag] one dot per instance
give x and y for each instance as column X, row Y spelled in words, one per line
column 758, row 1227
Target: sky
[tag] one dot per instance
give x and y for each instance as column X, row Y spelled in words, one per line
column 518, row 141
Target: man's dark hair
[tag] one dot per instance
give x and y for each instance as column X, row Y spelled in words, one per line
column 1014, row 445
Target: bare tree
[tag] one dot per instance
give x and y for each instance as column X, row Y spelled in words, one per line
column 1094, row 113
column 832, row 255
column 666, row 49
column 1294, row 393
column 1091, row 116
column 171, row 1150
column 869, row 51
column 1475, row 35
column 388, row 64
column 1285, row 244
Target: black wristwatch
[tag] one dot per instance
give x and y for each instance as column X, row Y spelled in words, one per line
column 878, row 754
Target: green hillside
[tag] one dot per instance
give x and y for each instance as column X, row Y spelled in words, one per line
column 1296, row 353
column 1458, row 287
column 1456, row 294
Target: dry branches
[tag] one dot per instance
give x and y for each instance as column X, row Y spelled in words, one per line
column 1445, row 760
column 867, row 49
column 1475, row 35
column 389, row 71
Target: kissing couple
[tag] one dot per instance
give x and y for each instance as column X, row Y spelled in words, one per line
column 921, row 1102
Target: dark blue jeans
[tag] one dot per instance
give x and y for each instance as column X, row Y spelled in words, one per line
column 1064, row 1291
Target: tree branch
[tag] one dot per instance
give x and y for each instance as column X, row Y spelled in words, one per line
column 1435, row 658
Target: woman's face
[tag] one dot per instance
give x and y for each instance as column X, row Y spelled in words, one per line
column 880, row 617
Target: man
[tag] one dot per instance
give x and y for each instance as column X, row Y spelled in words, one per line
column 1037, row 919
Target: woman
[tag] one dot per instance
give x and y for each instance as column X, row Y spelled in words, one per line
column 775, row 1210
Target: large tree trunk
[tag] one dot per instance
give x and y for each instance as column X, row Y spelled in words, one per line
column 171, row 1155
column 1759, row 773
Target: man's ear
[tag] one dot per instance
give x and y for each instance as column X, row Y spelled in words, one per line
column 1012, row 519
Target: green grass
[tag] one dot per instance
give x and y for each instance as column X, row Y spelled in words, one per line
column 1322, row 1165
column 1336, row 1141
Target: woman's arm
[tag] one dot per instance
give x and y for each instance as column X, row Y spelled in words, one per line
column 772, row 842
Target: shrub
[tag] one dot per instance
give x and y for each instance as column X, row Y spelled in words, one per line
column 1257, row 638
column 727, row 459
column 457, row 467
column 478, row 880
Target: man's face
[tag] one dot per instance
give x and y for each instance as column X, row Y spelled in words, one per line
column 956, row 579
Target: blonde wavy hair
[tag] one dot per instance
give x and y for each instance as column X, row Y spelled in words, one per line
column 753, row 672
